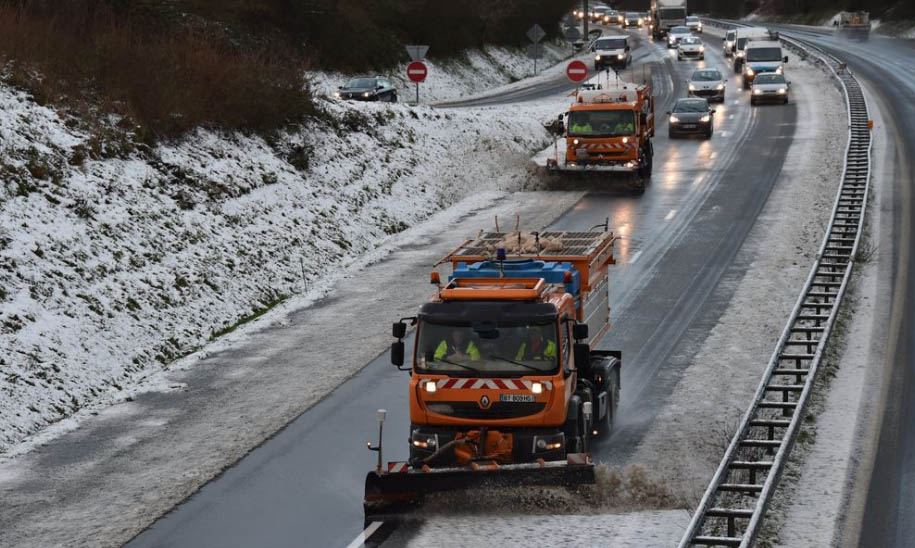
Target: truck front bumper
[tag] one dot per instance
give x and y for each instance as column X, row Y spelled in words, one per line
column 524, row 444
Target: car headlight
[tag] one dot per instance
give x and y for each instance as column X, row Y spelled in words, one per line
column 741, row 54
column 597, row 57
column 674, row 119
column 720, row 87
column 367, row 94
column 701, row 49
column 783, row 90
column 749, row 71
column 706, row 118
column 757, row 91
column 621, row 56
column 337, row 94
column 692, row 87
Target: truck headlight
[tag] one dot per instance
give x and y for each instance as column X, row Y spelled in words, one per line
column 575, row 141
column 783, row 91
column 749, row 71
column 741, row 54
column 597, row 57
column 424, row 441
column 551, row 442
column 780, row 69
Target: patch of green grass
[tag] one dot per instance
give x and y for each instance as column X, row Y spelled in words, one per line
column 255, row 314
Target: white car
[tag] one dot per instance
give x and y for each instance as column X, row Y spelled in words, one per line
column 690, row 48
column 676, row 34
column 730, row 39
column 769, row 87
column 708, row 83
column 694, row 24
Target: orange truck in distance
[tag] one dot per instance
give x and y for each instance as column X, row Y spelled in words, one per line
column 503, row 386
column 607, row 133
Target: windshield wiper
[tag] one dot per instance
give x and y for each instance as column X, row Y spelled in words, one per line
column 467, row 367
column 531, row 367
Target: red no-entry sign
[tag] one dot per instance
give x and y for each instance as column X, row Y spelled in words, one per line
column 577, row 71
column 417, row 71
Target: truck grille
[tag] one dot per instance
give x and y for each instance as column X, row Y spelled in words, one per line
column 497, row 410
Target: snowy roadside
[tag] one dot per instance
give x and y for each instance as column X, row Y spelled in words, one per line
column 825, row 484
column 476, row 72
column 113, row 263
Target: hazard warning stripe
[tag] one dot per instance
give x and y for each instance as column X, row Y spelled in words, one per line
column 490, row 384
column 397, row 467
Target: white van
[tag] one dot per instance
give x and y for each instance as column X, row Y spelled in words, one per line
column 741, row 37
column 762, row 56
column 612, row 51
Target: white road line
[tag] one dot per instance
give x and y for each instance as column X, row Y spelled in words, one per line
column 635, row 257
column 670, row 215
column 364, row 536
column 699, row 180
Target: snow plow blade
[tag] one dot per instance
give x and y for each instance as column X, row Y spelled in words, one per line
column 390, row 493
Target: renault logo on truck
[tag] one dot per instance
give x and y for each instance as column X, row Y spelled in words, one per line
column 484, row 402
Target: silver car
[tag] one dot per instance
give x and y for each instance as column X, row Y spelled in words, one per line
column 730, row 39
column 708, row 83
column 769, row 87
column 676, row 34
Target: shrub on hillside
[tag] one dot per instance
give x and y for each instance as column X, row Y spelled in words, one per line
column 166, row 79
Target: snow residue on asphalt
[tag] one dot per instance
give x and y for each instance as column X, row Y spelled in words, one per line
column 632, row 530
column 474, row 72
column 114, row 262
column 701, row 415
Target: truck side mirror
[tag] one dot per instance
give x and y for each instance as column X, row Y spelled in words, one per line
column 399, row 330
column 580, row 331
column 786, row 59
column 582, row 356
column 397, row 351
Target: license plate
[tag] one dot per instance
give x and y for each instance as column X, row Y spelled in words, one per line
column 689, row 126
column 516, row 398
column 582, row 154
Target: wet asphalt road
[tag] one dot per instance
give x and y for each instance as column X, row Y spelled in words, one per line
column 304, row 486
column 887, row 67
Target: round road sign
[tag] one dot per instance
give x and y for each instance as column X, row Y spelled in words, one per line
column 577, row 71
column 417, row 71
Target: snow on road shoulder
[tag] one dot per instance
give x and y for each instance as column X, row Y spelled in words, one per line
column 692, row 430
column 115, row 262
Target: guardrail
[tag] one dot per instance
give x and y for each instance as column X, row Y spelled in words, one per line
column 733, row 507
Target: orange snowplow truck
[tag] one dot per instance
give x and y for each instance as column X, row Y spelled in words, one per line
column 503, row 386
column 607, row 132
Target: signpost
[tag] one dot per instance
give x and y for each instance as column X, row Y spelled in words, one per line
column 417, row 72
column 535, row 51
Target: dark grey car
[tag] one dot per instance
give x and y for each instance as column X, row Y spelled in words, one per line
column 368, row 88
column 691, row 116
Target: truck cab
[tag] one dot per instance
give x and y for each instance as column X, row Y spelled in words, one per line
column 666, row 14
column 612, row 51
column 500, row 368
column 762, row 56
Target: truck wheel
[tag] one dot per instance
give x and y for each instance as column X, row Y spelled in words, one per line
column 613, row 394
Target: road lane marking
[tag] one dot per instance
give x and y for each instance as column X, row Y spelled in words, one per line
column 364, row 536
column 670, row 215
column 635, row 257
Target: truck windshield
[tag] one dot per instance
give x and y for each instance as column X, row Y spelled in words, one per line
column 610, row 43
column 491, row 351
column 601, row 123
column 764, row 54
column 672, row 13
